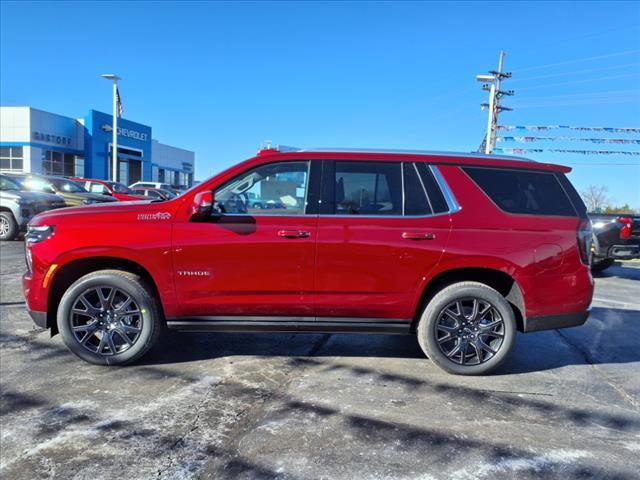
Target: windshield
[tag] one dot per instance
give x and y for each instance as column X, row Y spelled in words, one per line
column 119, row 188
column 67, row 185
column 167, row 193
column 7, row 184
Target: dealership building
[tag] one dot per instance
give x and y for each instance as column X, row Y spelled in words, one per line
column 35, row 141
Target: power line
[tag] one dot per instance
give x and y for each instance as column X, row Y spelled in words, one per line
column 586, row 80
column 579, row 60
column 577, row 72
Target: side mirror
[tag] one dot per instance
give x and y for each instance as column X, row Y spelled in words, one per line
column 202, row 204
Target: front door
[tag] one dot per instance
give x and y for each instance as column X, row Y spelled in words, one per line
column 255, row 255
column 379, row 234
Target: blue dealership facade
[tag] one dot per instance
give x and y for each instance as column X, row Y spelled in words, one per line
column 35, row 141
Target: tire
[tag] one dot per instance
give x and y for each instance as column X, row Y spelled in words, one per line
column 498, row 322
column 601, row 265
column 8, row 226
column 118, row 320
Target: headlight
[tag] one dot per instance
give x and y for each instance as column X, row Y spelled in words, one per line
column 22, row 201
column 37, row 234
column 89, row 201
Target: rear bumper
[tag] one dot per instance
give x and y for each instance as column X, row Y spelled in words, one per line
column 624, row 251
column 39, row 318
column 550, row 322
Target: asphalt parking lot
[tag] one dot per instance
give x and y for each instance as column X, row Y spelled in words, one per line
column 565, row 405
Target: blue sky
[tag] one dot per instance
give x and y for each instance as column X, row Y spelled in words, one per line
column 220, row 78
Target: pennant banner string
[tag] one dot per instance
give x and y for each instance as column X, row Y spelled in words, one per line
column 539, row 128
column 562, row 150
column 573, row 139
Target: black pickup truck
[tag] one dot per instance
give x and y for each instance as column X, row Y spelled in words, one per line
column 615, row 237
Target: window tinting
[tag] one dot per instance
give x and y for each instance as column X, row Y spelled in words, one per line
column 368, row 188
column 415, row 198
column 438, row 202
column 522, row 191
column 275, row 188
column 578, row 204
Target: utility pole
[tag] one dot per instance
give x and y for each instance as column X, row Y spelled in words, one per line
column 114, row 146
column 493, row 84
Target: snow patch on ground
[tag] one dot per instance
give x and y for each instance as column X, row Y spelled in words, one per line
column 513, row 465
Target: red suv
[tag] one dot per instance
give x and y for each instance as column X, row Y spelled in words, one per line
column 460, row 250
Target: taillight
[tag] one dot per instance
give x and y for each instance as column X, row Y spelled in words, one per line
column 625, row 231
column 583, row 235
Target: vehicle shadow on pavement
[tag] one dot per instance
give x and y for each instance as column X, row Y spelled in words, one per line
column 626, row 272
column 601, row 340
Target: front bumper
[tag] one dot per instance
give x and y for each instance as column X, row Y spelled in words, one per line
column 550, row 322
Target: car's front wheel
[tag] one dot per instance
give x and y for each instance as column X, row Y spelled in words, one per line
column 109, row 317
column 8, row 226
column 467, row 328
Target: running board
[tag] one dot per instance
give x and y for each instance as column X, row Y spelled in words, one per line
column 290, row 324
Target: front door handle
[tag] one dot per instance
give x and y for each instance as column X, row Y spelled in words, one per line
column 294, row 234
column 418, row 236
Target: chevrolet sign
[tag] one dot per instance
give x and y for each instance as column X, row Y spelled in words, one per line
column 126, row 132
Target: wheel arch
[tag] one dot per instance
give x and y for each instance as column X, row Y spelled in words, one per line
column 75, row 269
column 504, row 283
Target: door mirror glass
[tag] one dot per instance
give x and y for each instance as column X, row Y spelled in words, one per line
column 203, row 204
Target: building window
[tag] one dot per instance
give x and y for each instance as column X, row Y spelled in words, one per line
column 123, row 173
column 11, row 158
column 154, row 174
column 161, row 176
column 52, row 163
column 79, row 166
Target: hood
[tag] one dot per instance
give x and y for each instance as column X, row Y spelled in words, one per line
column 33, row 196
column 130, row 197
column 81, row 196
column 117, row 212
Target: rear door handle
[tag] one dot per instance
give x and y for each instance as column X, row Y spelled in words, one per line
column 418, row 236
column 294, row 234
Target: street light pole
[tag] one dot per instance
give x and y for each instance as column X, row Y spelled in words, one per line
column 114, row 147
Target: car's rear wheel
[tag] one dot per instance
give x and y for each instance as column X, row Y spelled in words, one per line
column 109, row 317
column 467, row 328
column 8, row 226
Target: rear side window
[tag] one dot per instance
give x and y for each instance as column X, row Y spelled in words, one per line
column 363, row 188
column 438, row 202
column 523, row 191
column 415, row 197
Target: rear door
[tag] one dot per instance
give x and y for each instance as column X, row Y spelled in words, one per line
column 382, row 228
column 247, row 260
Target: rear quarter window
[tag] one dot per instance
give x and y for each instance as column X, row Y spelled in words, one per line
column 523, row 191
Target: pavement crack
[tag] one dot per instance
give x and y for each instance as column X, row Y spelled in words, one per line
column 181, row 440
column 588, row 358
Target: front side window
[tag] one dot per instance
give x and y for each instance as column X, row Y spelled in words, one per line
column 275, row 189
column 368, row 188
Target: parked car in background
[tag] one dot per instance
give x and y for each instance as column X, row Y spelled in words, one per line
column 157, row 185
column 73, row 193
column 615, row 237
column 461, row 250
column 112, row 189
column 155, row 193
column 17, row 207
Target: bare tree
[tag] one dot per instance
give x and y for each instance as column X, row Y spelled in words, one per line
column 596, row 198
